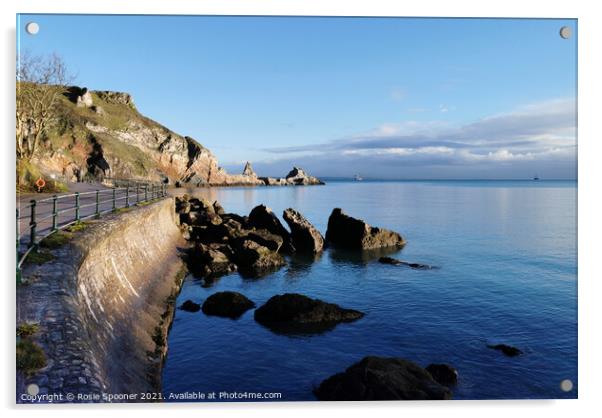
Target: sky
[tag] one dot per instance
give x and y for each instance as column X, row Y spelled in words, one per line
column 392, row 98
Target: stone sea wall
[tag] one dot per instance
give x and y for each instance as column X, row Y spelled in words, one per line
column 104, row 304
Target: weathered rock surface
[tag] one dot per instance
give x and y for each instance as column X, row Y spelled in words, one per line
column 347, row 232
column 210, row 260
column 226, row 242
column 379, row 378
column 255, row 260
column 298, row 176
column 508, row 350
column 396, row 262
column 293, row 308
column 305, row 237
column 190, row 306
column 262, row 217
column 443, row 374
column 227, row 304
column 295, row 177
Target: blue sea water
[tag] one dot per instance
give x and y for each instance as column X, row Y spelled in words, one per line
column 508, row 257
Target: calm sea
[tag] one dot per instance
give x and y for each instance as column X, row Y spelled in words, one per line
column 508, row 257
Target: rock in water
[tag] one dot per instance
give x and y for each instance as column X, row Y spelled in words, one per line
column 298, row 176
column 443, row 374
column 347, row 232
column 389, row 260
column 506, row 349
column 395, row 262
column 305, row 237
column 293, row 308
column 210, row 260
column 381, row 379
column 227, row 304
column 263, row 237
column 262, row 217
column 254, row 259
column 190, row 306
column 248, row 170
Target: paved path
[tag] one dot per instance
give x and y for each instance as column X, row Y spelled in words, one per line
column 66, row 206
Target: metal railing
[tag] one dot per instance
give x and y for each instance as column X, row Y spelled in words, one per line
column 43, row 217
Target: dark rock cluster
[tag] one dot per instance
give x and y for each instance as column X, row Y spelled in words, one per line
column 254, row 245
column 382, row 379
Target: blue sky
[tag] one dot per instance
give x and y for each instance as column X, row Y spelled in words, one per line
column 382, row 97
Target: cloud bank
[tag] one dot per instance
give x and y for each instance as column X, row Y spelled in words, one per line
column 537, row 138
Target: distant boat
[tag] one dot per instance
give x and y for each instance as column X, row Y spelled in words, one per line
column 357, row 177
column 536, row 177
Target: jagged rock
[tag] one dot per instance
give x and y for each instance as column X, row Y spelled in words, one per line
column 298, row 176
column 210, row 260
column 248, row 170
column 508, row 350
column 262, row 217
column 190, row 306
column 227, row 304
column 305, row 237
column 293, row 308
column 347, row 232
column 443, row 374
column 115, row 97
column 396, row 262
column 263, row 237
column 379, row 378
column 254, row 260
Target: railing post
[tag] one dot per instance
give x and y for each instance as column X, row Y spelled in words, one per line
column 98, row 203
column 32, row 224
column 137, row 193
column 145, row 192
column 77, row 206
column 54, row 213
column 18, row 245
column 114, row 204
column 152, row 191
column 127, row 195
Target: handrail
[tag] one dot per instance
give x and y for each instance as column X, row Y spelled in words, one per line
column 133, row 195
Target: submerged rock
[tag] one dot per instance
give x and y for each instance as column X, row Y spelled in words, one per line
column 348, row 232
column 254, row 259
column 395, row 262
column 506, row 349
column 305, row 237
column 190, row 306
column 227, row 304
column 443, row 374
column 293, row 308
column 379, row 378
column 262, row 217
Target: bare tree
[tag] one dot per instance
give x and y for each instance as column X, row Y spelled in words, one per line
column 41, row 80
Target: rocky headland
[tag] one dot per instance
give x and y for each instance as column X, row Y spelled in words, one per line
column 101, row 135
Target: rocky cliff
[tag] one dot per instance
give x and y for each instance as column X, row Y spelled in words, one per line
column 100, row 134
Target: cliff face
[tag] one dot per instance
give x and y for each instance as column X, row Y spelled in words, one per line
column 101, row 134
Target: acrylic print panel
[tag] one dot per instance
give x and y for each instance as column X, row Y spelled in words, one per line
column 266, row 209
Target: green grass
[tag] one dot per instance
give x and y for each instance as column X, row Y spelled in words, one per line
column 78, row 226
column 27, row 329
column 123, row 210
column 30, row 357
column 28, row 174
column 39, row 257
column 56, row 240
